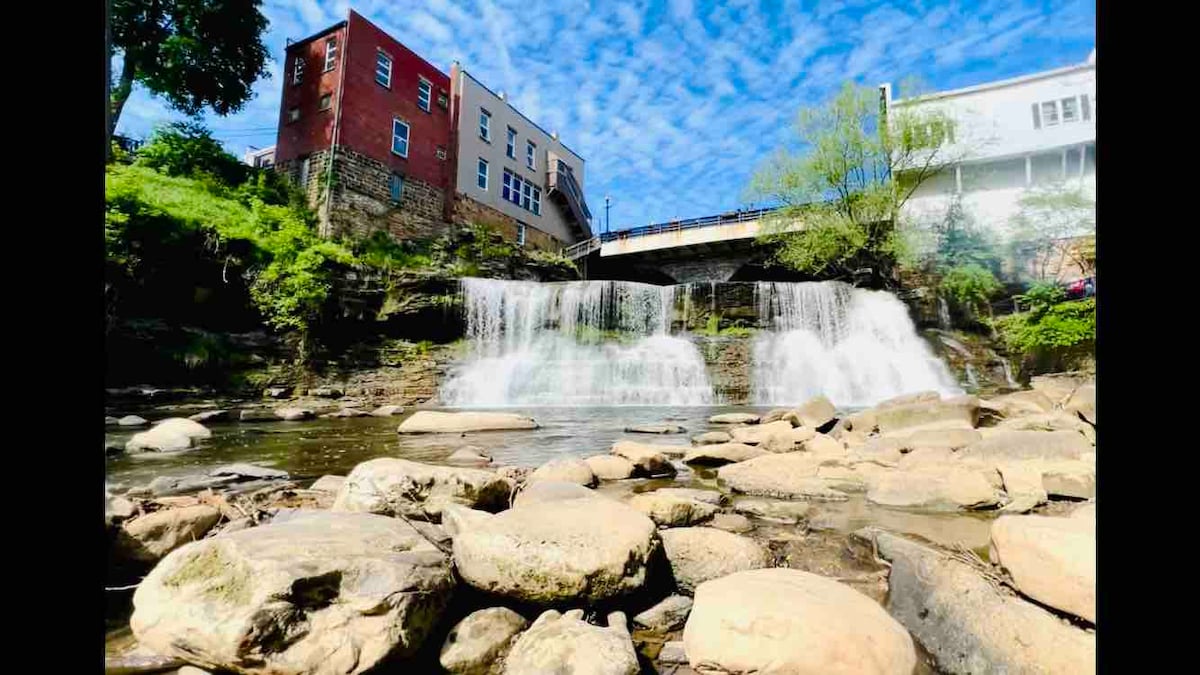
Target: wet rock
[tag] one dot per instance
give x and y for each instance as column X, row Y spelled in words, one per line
column 610, row 467
column 276, row 392
column 731, row 522
column 565, row 643
column 393, row 486
column 722, row 453
column 968, row 625
column 960, row 412
column 666, row 616
column 1013, row 445
column 470, row 455
column 257, row 415
column 564, row 469
column 163, row 486
column 647, row 460
column 326, row 392
column 140, row 663
column 345, row 413
column 939, row 487
column 154, row 535
column 788, row 476
column 1052, row 560
column 1083, row 403
column 551, row 491
column 672, row 653
column 816, row 412
column 698, row 554
column 294, row 414
column 319, row 593
column 655, row 429
column 437, row 422
column 388, row 410
column 707, row 496
column 169, row 435
column 711, row 437
column 111, row 449
column 581, row 550
column 478, row 644
column 757, row 434
column 789, row 621
column 110, row 421
column 210, row 416
column 242, row 470
column 132, row 421
column 844, row 478
column 734, row 418
column 672, row 511
column 117, row 509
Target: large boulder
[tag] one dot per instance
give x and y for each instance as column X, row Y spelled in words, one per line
column 955, row 439
column 816, row 412
column 774, row 510
column 551, row 491
column 150, row 537
column 967, row 624
column 1069, row 478
column 711, row 438
column 1052, row 421
column 1052, row 560
column 666, row 616
column 188, row 427
column 159, row 439
column 1007, row 445
column 610, row 467
column 388, row 410
column 648, row 460
column 318, row 593
column 757, row 434
column 788, row 621
column 734, row 418
column 672, row 511
column 1018, row 403
column 478, row 644
column 1058, row 387
column 961, row 412
column 437, row 422
column 293, row 414
column 1023, row 484
column 1083, row 403
column 565, row 643
column 698, row 554
column 789, row 476
column 469, row 455
column 581, row 550
column 722, row 453
column 935, row 487
column 328, row 483
column 132, row 421
column 564, row 469
column 392, row 486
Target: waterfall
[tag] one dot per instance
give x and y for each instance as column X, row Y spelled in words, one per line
column 943, row 314
column 574, row 343
column 855, row 346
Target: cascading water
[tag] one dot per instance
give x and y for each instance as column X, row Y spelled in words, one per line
column 573, row 344
column 855, row 346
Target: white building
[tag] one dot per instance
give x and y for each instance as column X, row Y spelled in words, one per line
column 1026, row 133
column 259, row 157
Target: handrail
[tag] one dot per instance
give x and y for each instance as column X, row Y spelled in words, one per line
column 688, row 224
column 581, row 249
column 566, row 178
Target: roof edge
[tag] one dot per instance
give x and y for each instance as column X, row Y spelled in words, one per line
column 997, row 84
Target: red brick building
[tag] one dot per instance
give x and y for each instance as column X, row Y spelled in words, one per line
column 365, row 128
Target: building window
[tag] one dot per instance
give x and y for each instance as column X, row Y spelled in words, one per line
column 1069, row 111
column 1050, row 113
column 443, row 102
column 396, row 187
column 485, row 124
column 325, row 102
column 298, row 70
column 1085, row 105
column 530, row 155
column 293, row 114
column 507, row 189
column 399, row 138
column 526, row 194
column 520, row 234
column 522, row 192
column 330, row 53
column 424, row 92
column 441, row 152
column 511, row 151
column 1037, row 118
column 383, row 69
column 537, row 201
column 482, row 178
column 302, row 181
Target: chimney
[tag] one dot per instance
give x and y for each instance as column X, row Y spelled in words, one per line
column 503, row 96
column 554, row 134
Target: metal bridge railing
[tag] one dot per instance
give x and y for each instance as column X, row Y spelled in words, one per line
column 689, row 224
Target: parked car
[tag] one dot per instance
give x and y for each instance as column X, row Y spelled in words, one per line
column 1081, row 288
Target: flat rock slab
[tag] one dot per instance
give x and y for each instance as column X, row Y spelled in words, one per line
column 552, row 491
column 787, row 621
column 734, row 418
column 647, row 459
column 711, row 438
column 319, row 593
column 1010, row 445
column 294, row 414
column 698, row 554
column 666, row 616
column 941, row 487
column 961, row 412
column 392, row 486
column 150, row 537
column 707, row 496
column 249, row 471
column 655, row 429
column 722, row 453
column 770, row 509
column 565, row 643
column 387, row 410
column 610, row 467
column 672, row 511
column 755, row 435
column 969, row 626
column 1052, row 560
column 581, row 550
column 789, row 476
column 437, row 422
column 564, row 469
column 731, row 522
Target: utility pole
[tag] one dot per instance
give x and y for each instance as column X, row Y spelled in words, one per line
column 607, row 203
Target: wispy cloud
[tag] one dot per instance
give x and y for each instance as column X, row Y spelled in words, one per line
column 674, row 103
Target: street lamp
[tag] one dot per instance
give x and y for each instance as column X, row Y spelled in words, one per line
column 607, row 203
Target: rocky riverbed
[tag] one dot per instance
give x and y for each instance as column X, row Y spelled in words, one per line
column 923, row 535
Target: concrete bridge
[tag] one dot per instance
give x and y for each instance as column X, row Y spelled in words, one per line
column 712, row 248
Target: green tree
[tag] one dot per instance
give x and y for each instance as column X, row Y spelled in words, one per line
column 961, row 242
column 188, row 148
column 195, row 53
column 859, row 166
column 971, row 286
column 1054, row 226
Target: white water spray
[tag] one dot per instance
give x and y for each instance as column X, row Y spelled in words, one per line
column 855, row 346
column 573, row 344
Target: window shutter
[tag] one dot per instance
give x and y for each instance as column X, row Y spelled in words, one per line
column 1085, row 106
column 1037, row 119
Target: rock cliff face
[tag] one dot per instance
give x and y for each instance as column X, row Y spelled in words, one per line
column 727, row 359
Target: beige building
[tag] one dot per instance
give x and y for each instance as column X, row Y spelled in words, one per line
column 510, row 172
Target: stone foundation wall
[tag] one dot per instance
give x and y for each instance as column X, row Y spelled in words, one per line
column 467, row 210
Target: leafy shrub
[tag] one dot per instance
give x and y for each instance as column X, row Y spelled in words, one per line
column 970, row 286
column 188, row 148
column 1050, row 336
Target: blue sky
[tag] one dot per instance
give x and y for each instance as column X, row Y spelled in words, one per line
column 674, row 103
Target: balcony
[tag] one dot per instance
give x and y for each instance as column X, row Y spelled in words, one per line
column 563, row 188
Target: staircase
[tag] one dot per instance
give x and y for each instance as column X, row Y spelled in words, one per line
column 563, row 188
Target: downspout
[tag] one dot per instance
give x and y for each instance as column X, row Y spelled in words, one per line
column 452, row 150
column 337, row 124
